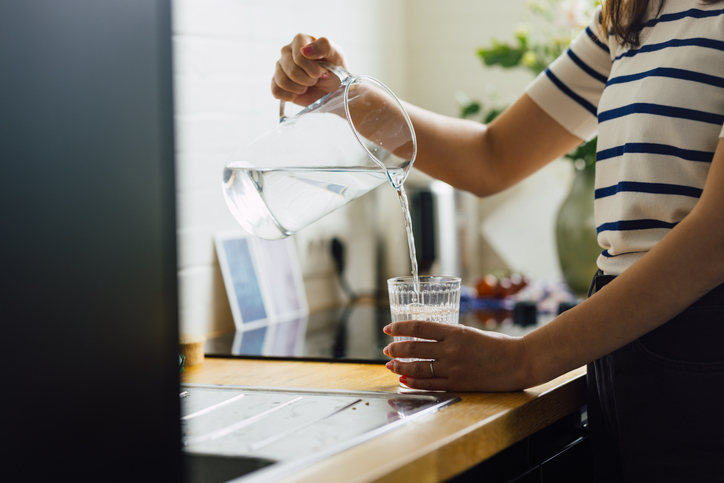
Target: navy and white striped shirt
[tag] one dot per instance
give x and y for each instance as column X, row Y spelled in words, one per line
column 658, row 111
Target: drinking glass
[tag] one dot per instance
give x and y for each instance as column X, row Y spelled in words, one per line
column 434, row 299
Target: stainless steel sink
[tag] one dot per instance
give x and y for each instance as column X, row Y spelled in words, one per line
column 206, row 468
column 249, row 434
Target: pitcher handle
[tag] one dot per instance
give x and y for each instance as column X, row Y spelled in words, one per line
column 337, row 70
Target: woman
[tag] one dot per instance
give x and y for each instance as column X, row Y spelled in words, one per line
column 648, row 78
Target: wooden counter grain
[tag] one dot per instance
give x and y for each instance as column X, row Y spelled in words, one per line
column 431, row 449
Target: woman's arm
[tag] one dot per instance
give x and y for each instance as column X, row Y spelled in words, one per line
column 488, row 159
column 685, row 265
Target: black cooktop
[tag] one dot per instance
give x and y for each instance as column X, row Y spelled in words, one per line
column 349, row 334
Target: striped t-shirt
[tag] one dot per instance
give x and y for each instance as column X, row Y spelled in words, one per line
column 658, row 111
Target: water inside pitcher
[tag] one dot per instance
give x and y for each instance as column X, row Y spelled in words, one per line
column 332, row 152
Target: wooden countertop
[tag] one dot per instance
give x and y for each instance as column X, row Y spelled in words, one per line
column 431, row 449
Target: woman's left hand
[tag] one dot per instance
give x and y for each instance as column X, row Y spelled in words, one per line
column 464, row 358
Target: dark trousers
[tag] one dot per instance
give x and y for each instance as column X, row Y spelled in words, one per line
column 656, row 405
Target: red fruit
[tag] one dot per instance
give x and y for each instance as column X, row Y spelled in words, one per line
column 486, row 286
column 503, row 289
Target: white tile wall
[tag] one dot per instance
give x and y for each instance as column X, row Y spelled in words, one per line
column 224, row 57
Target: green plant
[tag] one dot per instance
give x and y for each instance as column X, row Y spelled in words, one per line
column 552, row 26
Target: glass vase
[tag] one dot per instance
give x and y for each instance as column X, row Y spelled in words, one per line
column 576, row 242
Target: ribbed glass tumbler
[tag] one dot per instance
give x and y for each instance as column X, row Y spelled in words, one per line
column 435, row 299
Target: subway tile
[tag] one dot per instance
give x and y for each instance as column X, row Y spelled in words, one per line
column 203, row 208
column 195, row 95
column 195, row 286
column 211, row 57
column 199, row 171
column 211, row 133
column 213, row 18
column 195, row 247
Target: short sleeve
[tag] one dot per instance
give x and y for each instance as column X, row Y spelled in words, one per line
column 570, row 88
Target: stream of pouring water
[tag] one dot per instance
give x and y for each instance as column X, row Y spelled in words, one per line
column 402, row 195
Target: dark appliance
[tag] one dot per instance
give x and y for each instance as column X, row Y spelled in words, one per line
column 88, row 258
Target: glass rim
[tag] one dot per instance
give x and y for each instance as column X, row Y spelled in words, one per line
column 423, row 280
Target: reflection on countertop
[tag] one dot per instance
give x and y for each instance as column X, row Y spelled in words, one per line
column 351, row 334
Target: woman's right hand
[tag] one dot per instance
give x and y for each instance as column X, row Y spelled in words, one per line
column 298, row 78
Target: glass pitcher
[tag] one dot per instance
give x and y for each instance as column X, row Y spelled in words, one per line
column 332, row 152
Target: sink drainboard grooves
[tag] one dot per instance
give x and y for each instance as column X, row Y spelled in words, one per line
column 210, row 408
column 273, row 432
column 237, row 425
column 279, row 436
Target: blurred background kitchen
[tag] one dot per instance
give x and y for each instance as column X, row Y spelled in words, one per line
column 425, row 51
